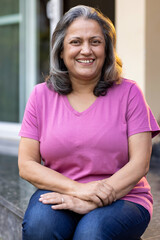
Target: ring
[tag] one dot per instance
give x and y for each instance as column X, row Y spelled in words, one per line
column 62, row 199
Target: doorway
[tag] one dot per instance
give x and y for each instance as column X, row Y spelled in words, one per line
column 107, row 6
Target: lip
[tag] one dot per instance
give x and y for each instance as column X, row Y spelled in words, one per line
column 85, row 60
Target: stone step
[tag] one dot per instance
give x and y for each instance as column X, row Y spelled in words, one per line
column 14, row 197
column 15, row 194
column 10, row 221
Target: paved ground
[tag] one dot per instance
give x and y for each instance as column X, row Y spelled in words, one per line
column 153, row 230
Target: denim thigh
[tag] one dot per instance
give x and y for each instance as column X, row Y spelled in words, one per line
column 41, row 222
column 122, row 220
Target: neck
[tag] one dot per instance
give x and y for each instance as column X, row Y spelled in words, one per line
column 83, row 87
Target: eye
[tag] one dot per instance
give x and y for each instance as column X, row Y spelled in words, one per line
column 75, row 42
column 95, row 42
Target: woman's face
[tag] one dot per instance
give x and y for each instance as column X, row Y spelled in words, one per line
column 84, row 50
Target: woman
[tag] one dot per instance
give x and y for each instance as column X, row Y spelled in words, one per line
column 93, row 131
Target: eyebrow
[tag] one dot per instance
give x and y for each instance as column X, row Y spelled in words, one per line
column 75, row 37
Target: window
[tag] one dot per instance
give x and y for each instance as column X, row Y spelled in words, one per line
column 9, row 58
column 24, row 58
column 18, row 46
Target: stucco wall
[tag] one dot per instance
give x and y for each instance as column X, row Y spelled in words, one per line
column 153, row 55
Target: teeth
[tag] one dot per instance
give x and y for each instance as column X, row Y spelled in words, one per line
column 85, row 61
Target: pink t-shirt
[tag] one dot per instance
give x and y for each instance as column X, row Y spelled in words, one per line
column 93, row 144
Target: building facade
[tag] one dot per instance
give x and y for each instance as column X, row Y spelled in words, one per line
column 25, row 29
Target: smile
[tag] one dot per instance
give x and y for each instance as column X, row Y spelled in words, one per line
column 86, row 61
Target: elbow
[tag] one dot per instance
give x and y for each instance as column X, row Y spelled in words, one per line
column 146, row 170
column 21, row 172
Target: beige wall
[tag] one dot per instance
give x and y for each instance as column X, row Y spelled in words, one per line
column 130, row 27
column 138, row 45
column 153, row 55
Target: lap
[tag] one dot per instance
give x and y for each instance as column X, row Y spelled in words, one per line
column 121, row 220
column 41, row 222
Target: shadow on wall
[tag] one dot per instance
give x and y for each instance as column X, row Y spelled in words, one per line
column 155, row 157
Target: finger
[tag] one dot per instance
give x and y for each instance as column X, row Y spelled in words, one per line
column 49, row 195
column 97, row 200
column 103, row 193
column 109, row 188
column 46, row 195
column 60, row 206
column 111, row 194
column 112, row 197
column 52, row 200
column 107, row 195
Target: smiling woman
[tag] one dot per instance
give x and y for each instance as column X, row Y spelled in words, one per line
column 103, row 42
column 86, row 123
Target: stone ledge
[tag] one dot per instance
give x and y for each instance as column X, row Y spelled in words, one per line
column 15, row 194
column 10, row 221
column 14, row 197
column 12, row 208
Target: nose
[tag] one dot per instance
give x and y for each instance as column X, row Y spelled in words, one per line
column 86, row 49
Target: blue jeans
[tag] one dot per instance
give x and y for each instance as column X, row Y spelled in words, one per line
column 122, row 220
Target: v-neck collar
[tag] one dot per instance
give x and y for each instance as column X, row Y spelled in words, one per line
column 75, row 112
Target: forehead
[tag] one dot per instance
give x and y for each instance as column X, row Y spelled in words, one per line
column 82, row 26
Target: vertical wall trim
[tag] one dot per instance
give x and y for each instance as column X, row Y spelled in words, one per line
column 28, row 52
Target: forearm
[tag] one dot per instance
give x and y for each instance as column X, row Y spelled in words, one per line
column 124, row 180
column 46, row 178
column 140, row 147
column 30, row 168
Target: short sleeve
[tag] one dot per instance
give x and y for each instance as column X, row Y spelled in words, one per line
column 29, row 127
column 139, row 116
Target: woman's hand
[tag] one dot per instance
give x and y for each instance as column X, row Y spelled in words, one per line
column 62, row 201
column 98, row 192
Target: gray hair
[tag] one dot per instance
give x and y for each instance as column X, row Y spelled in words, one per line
column 59, row 78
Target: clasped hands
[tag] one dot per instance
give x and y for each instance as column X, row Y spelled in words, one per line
column 85, row 198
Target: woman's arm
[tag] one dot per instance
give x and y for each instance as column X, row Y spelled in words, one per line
column 140, row 147
column 123, row 181
column 30, row 168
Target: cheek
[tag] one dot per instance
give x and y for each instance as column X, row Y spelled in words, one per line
column 68, row 54
column 103, row 56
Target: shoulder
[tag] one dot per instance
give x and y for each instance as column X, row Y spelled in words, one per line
column 126, row 87
column 41, row 91
column 125, row 84
column 41, row 95
column 42, row 88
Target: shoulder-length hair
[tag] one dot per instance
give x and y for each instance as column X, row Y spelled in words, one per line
column 59, row 78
